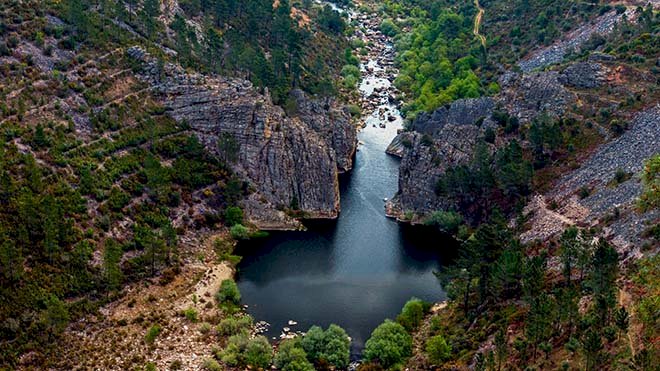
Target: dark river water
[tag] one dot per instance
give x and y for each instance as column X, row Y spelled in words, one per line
column 355, row 271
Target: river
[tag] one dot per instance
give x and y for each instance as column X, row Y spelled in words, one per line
column 360, row 269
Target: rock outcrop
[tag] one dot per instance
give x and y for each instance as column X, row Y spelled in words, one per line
column 445, row 138
column 584, row 75
column 527, row 95
column 290, row 162
column 448, row 136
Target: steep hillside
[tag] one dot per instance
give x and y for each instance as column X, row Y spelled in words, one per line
column 131, row 130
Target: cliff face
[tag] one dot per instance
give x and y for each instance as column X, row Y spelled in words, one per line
column 290, row 162
column 448, row 136
column 437, row 141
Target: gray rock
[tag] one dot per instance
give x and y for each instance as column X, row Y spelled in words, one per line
column 528, row 95
column 460, row 112
column 574, row 41
column 285, row 159
column 583, row 75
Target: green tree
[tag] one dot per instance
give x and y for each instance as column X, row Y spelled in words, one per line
column 55, row 316
column 331, row 346
column 228, row 148
column 501, row 347
column 389, row 345
column 412, row 314
column 541, row 316
column 650, row 198
column 438, row 349
column 622, row 319
column 112, row 274
column 292, row 357
column 602, row 278
column 591, row 347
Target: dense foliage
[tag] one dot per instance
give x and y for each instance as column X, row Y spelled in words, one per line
column 390, row 345
column 253, row 39
column 436, row 67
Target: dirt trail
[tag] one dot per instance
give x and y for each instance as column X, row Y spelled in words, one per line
column 477, row 23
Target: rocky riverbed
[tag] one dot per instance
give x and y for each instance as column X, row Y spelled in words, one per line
column 379, row 99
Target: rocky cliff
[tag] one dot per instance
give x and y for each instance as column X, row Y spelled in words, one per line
column 446, row 137
column 437, row 141
column 290, row 162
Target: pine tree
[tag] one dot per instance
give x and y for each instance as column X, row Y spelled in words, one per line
column 602, row 278
column 622, row 319
column 40, row 139
column 591, row 347
column 112, row 275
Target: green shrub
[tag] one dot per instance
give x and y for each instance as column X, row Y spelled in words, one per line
column 387, row 27
column 234, row 325
column 354, row 110
column 292, row 357
column 350, row 70
column 437, row 349
column 239, row 232
column 228, row 293
column 205, row 328
column 389, row 344
column 447, row 221
column 152, row 334
column 650, row 198
column 412, row 314
column 233, row 216
column 190, row 314
column 212, row 365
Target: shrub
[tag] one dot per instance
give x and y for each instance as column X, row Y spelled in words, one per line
column 234, row 325
column 228, row 293
column 437, row 349
column 387, row 27
column 621, row 176
column 190, row 314
column 117, row 199
column 242, row 351
column 239, row 232
column 489, row 136
column 292, row 357
column 447, row 221
column 233, row 216
column 350, row 70
column 584, row 192
column 205, row 328
column 152, row 333
column 354, row 110
column 389, row 344
column 331, row 346
column 412, row 314
column 651, row 181
column 211, row 365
